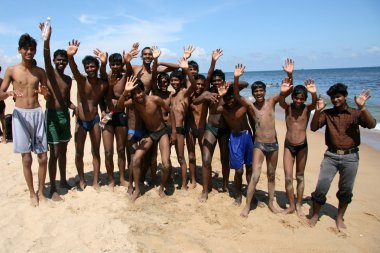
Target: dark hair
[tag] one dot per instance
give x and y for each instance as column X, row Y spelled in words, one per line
column 193, row 64
column 90, row 59
column 299, row 89
column 199, row 76
column 338, row 88
column 219, row 72
column 34, row 62
column 178, row 74
column 60, row 52
column 26, row 41
column 230, row 91
column 161, row 76
column 140, row 85
column 258, row 84
column 145, row 49
column 115, row 57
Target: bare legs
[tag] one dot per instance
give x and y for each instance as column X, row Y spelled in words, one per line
column 57, row 153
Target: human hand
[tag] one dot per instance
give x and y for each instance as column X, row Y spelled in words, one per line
column 42, row 26
column 173, row 138
column 130, row 83
column 361, row 99
column 286, row 85
column 102, row 56
column 288, row 66
column 222, row 89
column 43, row 90
column 156, row 52
column 216, row 54
column 310, row 86
column 320, row 103
column 239, row 70
column 188, row 51
column 212, row 97
column 15, row 93
column 183, row 63
column 73, row 48
column 132, row 53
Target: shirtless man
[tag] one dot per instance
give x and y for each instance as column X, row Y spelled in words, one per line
column 265, row 146
column 297, row 116
column 91, row 90
column 28, row 119
column 57, row 114
column 180, row 104
column 197, row 116
column 240, row 141
column 150, row 110
column 116, row 127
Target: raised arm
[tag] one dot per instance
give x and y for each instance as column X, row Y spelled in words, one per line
column 314, row 124
column 130, row 84
column 286, row 89
column 239, row 71
column 187, row 51
column 206, row 97
column 47, row 57
column 312, row 88
column 214, row 58
column 288, row 67
column 185, row 67
column 360, row 101
column 103, row 57
column 156, row 53
column 71, row 51
column 129, row 56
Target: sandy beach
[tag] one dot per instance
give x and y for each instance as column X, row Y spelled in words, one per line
column 105, row 220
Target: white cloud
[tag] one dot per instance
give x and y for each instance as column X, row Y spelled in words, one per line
column 168, row 54
column 8, row 29
column 200, row 54
column 374, row 50
column 89, row 19
column 7, row 61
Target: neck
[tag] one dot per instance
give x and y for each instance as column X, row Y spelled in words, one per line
column 28, row 64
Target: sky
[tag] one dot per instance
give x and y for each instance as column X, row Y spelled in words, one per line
column 258, row 34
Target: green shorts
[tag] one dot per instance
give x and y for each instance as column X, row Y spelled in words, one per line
column 58, row 125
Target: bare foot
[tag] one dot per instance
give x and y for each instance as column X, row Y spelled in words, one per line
column 4, row 140
column 244, row 213
column 237, row 201
column 96, row 186
column 203, row 198
column 130, row 189
column 55, row 197
column 123, row 183
column 300, row 213
column 184, row 187
column 340, row 225
column 135, row 195
column 193, row 185
column 288, row 210
column 312, row 221
column 82, row 186
column 34, row 200
column 64, row 184
column 272, row 208
column 41, row 197
column 161, row 192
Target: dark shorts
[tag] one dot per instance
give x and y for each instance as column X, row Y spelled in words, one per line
column 58, row 125
column 2, row 107
column 118, row 119
column 137, row 135
column 196, row 132
column 156, row 136
column 295, row 149
column 216, row 131
column 266, row 147
column 88, row 125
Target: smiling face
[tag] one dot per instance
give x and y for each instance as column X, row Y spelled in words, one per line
column 259, row 94
column 91, row 69
column 147, row 56
column 200, row 86
column 338, row 100
column 138, row 95
column 163, row 84
column 27, row 53
column 175, row 82
column 298, row 100
column 60, row 62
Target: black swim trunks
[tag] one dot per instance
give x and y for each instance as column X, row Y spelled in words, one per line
column 295, row 149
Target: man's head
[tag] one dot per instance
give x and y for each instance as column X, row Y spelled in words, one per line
column 27, row 47
column 193, row 67
column 60, row 59
column 200, row 80
column 338, row 94
column 147, row 55
column 91, row 66
column 138, row 93
column 176, row 78
column 116, row 62
column 299, row 95
column 229, row 98
column 163, row 81
column 258, row 90
column 217, row 78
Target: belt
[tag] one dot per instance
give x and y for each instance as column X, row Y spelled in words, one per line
column 343, row 151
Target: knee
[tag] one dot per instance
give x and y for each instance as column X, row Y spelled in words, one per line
column 300, row 178
column 136, row 162
column 181, row 160
column 108, row 154
column 344, row 196
column 95, row 152
column 27, row 159
column 239, row 172
column 192, row 159
column 288, row 181
column 78, row 154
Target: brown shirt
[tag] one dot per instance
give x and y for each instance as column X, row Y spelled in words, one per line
column 342, row 128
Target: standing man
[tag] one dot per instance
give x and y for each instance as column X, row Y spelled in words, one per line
column 28, row 119
column 342, row 137
column 57, row 114
column 91, row 90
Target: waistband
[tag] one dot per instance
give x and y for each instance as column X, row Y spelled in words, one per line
column 343, row 151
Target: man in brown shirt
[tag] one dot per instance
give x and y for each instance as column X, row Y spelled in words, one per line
column 342, row 137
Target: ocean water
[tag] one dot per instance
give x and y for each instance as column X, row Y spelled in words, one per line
column 357, row 79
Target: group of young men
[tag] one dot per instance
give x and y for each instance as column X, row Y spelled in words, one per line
column 139, row 111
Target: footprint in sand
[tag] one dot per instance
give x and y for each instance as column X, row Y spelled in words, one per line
column 287, row 224
column 372, row 216
column 338, row 232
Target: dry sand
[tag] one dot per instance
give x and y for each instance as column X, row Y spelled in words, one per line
column 105, row 221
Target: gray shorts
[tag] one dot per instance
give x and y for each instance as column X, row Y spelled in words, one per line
column 29, row 131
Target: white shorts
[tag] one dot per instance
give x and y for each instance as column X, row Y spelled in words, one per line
column 29, row 131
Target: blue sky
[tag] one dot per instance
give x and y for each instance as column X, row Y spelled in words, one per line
column 259, row 34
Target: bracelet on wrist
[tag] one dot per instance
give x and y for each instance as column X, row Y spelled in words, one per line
column 363, row 108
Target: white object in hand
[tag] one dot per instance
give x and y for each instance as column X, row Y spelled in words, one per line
column 44, row 33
